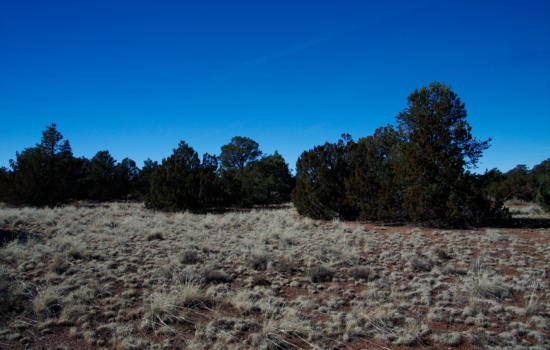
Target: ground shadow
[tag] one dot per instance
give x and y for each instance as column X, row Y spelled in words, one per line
column 7, row 236
column 530, row 223
column 517, row 223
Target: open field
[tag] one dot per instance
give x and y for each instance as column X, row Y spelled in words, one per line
column 116, row 276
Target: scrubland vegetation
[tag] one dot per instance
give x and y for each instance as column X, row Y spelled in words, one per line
column 168, row 273
column 418, row 171
column 118, row 276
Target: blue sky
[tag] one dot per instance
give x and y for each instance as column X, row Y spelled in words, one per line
column 136, row 77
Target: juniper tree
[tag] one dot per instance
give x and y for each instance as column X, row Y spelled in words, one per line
column 270, row 180
column 232, row 186
column 181, row 182
column 521, row 184
column 371, row 187
column 239, row 153
column 439, row 148
column 237, row 160
column 320, row 174
column 542, row 173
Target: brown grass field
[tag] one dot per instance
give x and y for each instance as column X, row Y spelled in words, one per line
column 116, row 276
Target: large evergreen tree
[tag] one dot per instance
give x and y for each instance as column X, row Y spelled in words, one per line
column 237, row 161
column 47, row 174
column 438, row 149
column 416, row 172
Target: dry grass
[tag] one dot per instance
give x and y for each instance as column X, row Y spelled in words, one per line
column 118, row 276
column 526, row 210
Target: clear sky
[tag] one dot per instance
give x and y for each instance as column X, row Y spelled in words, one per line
column 136, row 77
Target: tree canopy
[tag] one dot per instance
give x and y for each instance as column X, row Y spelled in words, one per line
column 239, row 153
column 415, row 172
column 182, row 182
column 44, row 175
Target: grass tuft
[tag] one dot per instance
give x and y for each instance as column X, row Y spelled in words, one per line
column 259, row 260
column 420, row 264
column 47, row 301
column 211, row 275
column 59, row 265
column 360, row 272
column 320, row 273
column 190, row 257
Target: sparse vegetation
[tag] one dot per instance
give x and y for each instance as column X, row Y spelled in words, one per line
column 100, row 277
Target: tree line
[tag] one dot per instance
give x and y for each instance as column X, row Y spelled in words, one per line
column 49, row 175
column 521, row 183
column 417, row 171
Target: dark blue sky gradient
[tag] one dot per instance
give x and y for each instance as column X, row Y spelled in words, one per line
column 136, row 77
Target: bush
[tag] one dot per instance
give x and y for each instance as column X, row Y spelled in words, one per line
column 259, row 260
column 260, row 281
column 182, row 182
column 420, row 264
column 320, row 273
column 211, row 275
column 190, row 257
column 59, row 265
column 320, row 192
column 360, row 272
column 442, row 254
column 285, row 265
